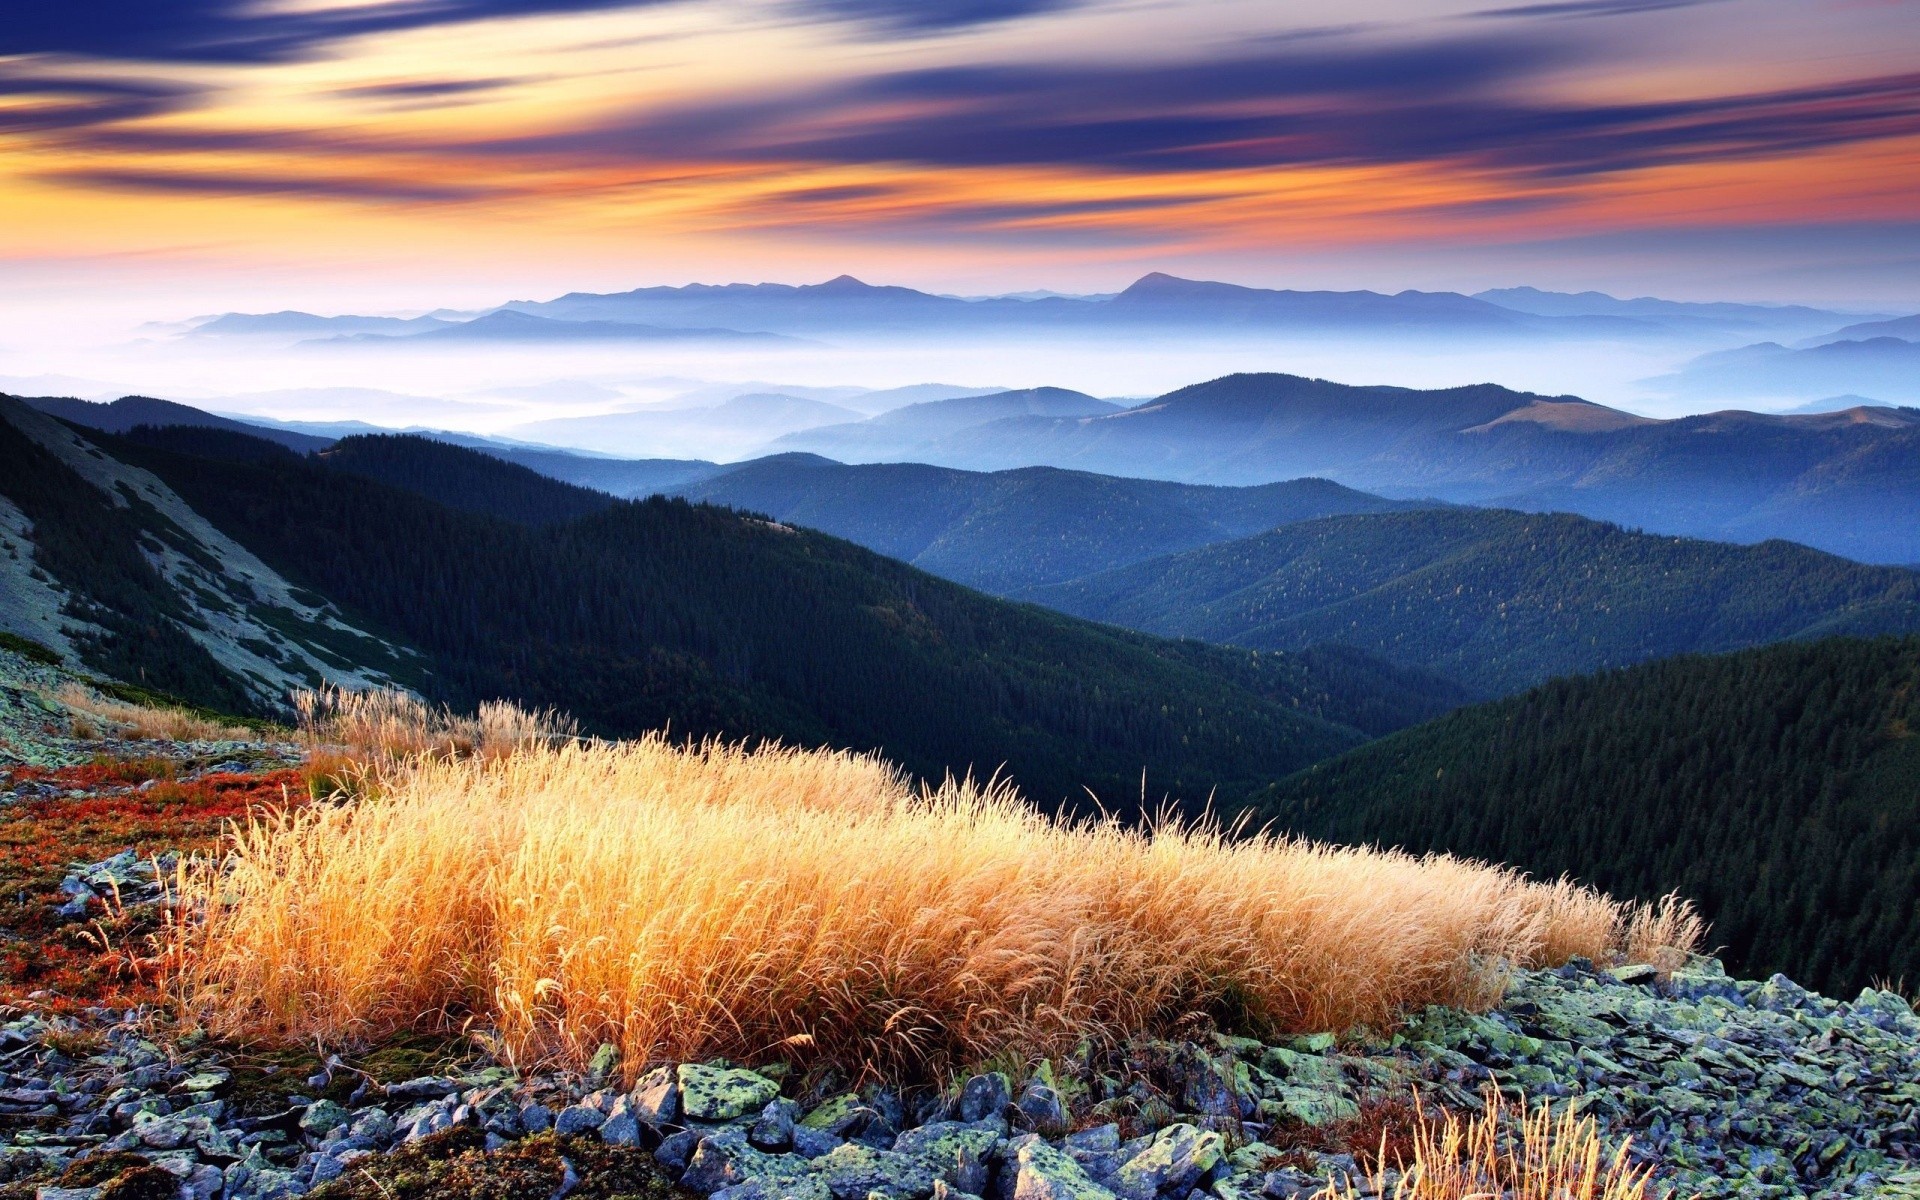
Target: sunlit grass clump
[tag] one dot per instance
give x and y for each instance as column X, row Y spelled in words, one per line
column 390, row 725
column 1509, row 1152
column 685, row 903
column 94, row 716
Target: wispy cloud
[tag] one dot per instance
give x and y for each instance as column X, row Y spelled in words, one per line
column 928, row 16
column 1459, row 99
column 58, row 104
column 1566, row 9
column 258, row 183
column 242, row 31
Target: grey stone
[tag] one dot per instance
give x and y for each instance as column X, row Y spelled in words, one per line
column 725, row 1158
column 958, row 1151
column 983, row 1096
column 774, row 1129
column 1170, row 1164
column 1100, row 1137
column 853, row 1172
column 1042, row 1108
column 802, row 1187
column 676, row 1148
column 323, row 1117
column 657, row 1097
column 621, row 1128
column 809, row 1142
column 722, row 1093
column 578, row 1118
column 1042, row 1172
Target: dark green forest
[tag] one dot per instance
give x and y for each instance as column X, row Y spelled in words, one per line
column 1495, row 599
column 1779, row 788
column 663, row 613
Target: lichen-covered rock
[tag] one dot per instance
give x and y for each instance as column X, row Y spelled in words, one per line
column 958, row 1151
column 725, row 1158
column 1170, row 1164
column 774, row 1129
column 722, row 1093
column 854, row 1172
column 1042, row 1172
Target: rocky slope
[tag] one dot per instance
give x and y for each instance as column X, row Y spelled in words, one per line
column 104, row 563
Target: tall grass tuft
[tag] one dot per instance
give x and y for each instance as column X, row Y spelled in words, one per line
column 94, row 716
column 386, row 724
column 1500, row 1153
column 691, row 902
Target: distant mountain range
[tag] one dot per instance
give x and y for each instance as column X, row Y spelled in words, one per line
column 908, row 434
column 846, row 305
column 1784, row 319
column 1848, row 482
column 1015, row 529
column 1844, row 481
column 1884, row 367
column 1497, row 600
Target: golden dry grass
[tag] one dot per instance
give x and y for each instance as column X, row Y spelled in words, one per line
column 781, row 904
column 1511, row 1153
column 386, row 724
column 95, row 716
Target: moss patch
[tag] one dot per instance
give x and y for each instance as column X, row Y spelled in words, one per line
column 455, row 1166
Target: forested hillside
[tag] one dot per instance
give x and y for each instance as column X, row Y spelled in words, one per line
column 1778, row 788
column 1012, row 529
column 1495, row 599
column 662, row 612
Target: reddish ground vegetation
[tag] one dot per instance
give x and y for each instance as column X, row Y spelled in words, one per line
column 137, row 804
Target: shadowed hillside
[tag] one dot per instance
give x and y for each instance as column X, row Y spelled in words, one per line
column 664, row 613
column 1778, row 788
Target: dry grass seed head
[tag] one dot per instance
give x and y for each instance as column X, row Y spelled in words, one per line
column 687, row 902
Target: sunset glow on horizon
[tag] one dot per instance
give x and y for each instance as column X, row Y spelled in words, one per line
column 965, row 143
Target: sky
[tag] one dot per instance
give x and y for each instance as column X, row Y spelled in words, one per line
column 172, row 158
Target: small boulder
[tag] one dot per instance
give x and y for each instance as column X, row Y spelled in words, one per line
column 722, row 1093
column 1042, row 1109
column 621, row 1128
column 855, row 1172
column 1042, row 1172
column 656, row 1098
column 774, row 1129
column 983, row 1096
column 958, row 1152
column 1170, row 1164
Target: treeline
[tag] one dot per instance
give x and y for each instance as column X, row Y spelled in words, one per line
column 1779, row 788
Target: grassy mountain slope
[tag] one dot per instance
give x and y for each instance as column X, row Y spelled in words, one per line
column 1498, row 600
column 108, row 565
column 1012, row 529
column 1779, row 788
column 662, row 612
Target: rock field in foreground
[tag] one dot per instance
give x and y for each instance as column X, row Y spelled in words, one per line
column 1734, row 1088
